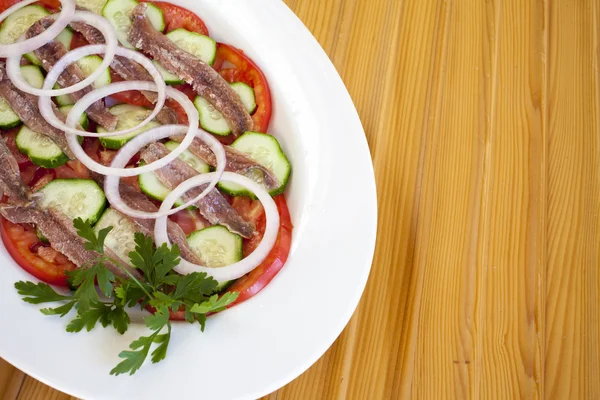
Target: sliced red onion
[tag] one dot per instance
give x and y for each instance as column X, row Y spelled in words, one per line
column 110, row 36
column 22, row 47
column 159, row 86
column 112, row 182
column 240, row 268
column 152, row 134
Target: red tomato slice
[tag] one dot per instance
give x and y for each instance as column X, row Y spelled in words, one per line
column 50, row 4
column 178, row 17
column 35, row 257
column 262, row 275
column 248, row 72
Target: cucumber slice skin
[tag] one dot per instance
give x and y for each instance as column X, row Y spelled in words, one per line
column 212, row 120
column 170, row 79
column 8, row 118
column 216, row 246
column 18, row 22
column 87, row 64
column 121, row 239
column 33, row 75
column 117, row 12
column 129, row 116
column 200, row 46
column 152, row 187
column 40, row 149
column 260, row 147
column 76, row 198
column 246, row 94
column 64, row 37
column 83, row 120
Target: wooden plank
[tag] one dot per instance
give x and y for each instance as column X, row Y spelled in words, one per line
column 572, row 359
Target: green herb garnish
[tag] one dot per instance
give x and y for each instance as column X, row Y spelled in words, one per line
column 162, row 289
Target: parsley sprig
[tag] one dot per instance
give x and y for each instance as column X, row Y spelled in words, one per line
column 161, row 289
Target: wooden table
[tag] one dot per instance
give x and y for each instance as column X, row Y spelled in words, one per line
column 483, row 122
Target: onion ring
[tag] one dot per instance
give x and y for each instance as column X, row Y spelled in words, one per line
column 193, row 118
column 240, row 268
column 47, row 111
column 111, row 183
column 13, row 69
column 22, row 47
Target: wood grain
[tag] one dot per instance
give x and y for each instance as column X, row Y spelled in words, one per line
column 483, row 122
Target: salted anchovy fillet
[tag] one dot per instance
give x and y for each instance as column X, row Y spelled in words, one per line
column 53, row 51
column 138, row 201
column 61, row 233
column 25, row 106
column 214, row 207
column 127, row 69
column 236, row 161
column 10, row 177
column 204, row 79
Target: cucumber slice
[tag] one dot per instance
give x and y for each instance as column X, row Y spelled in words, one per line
column 8, row 118
column 64, row 37
column 40, row 149
column 170, row 79
column 194, row 43
column 121, row 239
column 94, row 6
column 129, row 116
column 33, row 75
column 88, row 65
column 153, row 188
column 18, row 22
column 246, row 94
column 76, row 198
column 212, row 120
column 83, row 120
column 189, row 158
column 265, row 150
column 216, row 246
column 118, row 12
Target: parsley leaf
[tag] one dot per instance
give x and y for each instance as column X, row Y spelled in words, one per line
column 93, row 242
column 38, row 293
column 215, row 304
column 161, row 288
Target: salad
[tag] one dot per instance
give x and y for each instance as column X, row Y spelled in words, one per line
column 136, row 167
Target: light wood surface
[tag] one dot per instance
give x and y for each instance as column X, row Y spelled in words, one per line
column 482, row 118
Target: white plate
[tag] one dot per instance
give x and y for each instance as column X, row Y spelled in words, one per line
column 259, row 346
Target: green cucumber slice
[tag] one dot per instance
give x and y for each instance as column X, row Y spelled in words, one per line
column 121, row 239
column 212, row 120
column 18, row 22
column 118, row 12
column 64, row 37
column 40, row 149
column 216, row 246
column 94, row 6
column 265, row 150
column 129, row 116
column 88, row 65
column 76, row 198
column 153, row 188
column 83, row 120
column 8, row 118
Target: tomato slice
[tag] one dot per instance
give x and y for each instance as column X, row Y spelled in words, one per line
column 178, row 17
column 35, row 257
column 50, row 4
column 248, row 72
column 262, row 275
